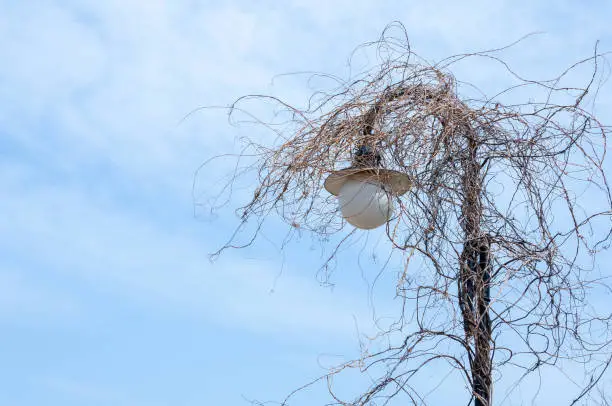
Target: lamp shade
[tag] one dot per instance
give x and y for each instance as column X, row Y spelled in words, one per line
column 364, row 204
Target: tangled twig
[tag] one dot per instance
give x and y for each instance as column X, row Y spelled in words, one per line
column 534, row 164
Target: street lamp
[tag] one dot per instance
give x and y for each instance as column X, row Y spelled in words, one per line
column 365, row 190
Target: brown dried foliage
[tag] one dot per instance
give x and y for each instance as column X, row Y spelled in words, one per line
column 530, row 167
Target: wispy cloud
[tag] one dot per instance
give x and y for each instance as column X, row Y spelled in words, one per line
column 98, row 242
column 95, row 174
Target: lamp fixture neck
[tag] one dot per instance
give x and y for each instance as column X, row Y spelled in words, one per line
column 366, row 157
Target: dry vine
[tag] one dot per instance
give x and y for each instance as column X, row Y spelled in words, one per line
column 494, row 218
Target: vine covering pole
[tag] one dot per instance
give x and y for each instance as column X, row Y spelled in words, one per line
column 475, row 275
column 495, row 217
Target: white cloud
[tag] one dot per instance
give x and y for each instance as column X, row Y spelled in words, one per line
column 111, row 80
column 110, row 248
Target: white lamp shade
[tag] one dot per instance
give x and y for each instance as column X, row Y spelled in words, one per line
column 364, row 204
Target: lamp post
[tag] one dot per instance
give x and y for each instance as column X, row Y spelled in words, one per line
column 465, row 233
column 365, row 194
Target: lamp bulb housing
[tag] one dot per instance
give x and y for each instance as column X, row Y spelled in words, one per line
column 365, row 204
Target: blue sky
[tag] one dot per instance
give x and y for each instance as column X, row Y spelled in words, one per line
column 107, row 295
